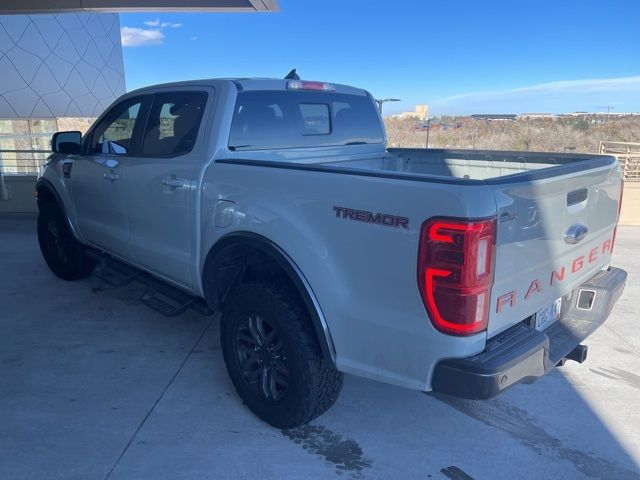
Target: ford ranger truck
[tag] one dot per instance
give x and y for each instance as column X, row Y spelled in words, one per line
column 277, row 203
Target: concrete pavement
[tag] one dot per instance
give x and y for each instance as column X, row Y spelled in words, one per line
column 94, row 385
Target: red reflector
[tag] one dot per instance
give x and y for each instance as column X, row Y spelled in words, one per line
column 455, row 273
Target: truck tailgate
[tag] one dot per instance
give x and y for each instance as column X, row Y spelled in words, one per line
column 535, row 263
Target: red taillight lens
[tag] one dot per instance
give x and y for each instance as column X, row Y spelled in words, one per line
column 455, row 273
column 309, row 85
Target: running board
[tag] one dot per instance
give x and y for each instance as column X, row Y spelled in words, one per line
column 114, row 273
column 169, row 301
column 161, row 297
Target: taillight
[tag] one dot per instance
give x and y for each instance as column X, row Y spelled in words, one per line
column 308, row 85
column 455, row 272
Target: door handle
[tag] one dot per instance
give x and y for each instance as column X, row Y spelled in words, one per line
column 173, row 183
column 112, row 177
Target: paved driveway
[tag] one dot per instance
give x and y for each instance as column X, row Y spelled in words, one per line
column 93, row 385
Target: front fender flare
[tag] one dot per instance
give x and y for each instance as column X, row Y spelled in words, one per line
column 44, row 183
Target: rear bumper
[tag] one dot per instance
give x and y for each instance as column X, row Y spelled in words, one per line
column 522, row 354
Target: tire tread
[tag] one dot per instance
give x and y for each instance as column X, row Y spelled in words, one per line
column 323, row 382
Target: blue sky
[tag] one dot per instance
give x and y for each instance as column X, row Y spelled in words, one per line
column 460, row 56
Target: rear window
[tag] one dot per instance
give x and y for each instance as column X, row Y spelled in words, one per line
column 275, row 119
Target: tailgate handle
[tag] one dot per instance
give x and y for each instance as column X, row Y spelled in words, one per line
column 577, row 196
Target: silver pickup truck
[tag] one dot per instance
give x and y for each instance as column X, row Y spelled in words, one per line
column 277, row 203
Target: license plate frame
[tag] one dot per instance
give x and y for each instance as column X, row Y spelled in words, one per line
column 547, row 316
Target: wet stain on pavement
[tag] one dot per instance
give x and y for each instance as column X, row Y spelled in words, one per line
column 345, row 454
column 617, row 374
column 455, row 473
column 519, row 424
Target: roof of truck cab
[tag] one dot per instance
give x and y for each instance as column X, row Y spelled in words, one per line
column 247, row 84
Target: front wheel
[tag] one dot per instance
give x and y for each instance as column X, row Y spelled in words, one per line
column 273, row 357
column 65, row 256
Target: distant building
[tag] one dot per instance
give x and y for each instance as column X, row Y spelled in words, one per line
column 510, row 117
column 600, row 116
column 421, row 112
column 533, row 116
column 617, row 114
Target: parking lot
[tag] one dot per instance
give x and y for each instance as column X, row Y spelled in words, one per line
column 94, row 385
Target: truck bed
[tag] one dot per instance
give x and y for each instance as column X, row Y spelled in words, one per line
column 471, row 165
column 538, row 197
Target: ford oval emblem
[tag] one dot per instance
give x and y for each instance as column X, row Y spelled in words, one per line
column 575, row 233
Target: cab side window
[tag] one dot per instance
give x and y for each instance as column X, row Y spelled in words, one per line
column 116, row 134
column 173, row 123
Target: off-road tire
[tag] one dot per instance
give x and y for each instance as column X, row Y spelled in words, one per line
column 313, row 383
column 65, row 256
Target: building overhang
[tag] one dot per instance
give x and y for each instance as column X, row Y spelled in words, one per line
column 65, row 6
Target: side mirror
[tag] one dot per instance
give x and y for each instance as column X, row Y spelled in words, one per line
column 66, row 142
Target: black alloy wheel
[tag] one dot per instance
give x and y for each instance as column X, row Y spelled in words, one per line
column 65, row 256
column 273, row 356
column 261, row 357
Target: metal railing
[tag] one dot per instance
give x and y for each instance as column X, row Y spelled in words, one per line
column 23, row 153
column 22, row 162
column 628, row 154
column 14, row 162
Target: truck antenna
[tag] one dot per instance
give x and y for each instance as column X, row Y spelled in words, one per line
column 292, row 75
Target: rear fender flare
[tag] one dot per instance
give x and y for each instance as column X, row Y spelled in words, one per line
column 286, row 263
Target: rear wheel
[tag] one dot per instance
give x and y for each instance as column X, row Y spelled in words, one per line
column 273, row 357
column 65, row 256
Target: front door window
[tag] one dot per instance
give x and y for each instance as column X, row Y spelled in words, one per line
column 116, row 133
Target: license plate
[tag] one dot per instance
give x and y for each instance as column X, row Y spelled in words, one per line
column 548, row 315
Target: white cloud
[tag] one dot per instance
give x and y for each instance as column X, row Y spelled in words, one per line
column 193, row 38
column 555, row 97
column 158, row 23
column 138, row 37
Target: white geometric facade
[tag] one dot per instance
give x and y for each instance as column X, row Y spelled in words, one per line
column 67, row 65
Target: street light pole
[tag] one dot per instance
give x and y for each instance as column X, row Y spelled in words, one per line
column 428, row 130
column 384, row 100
